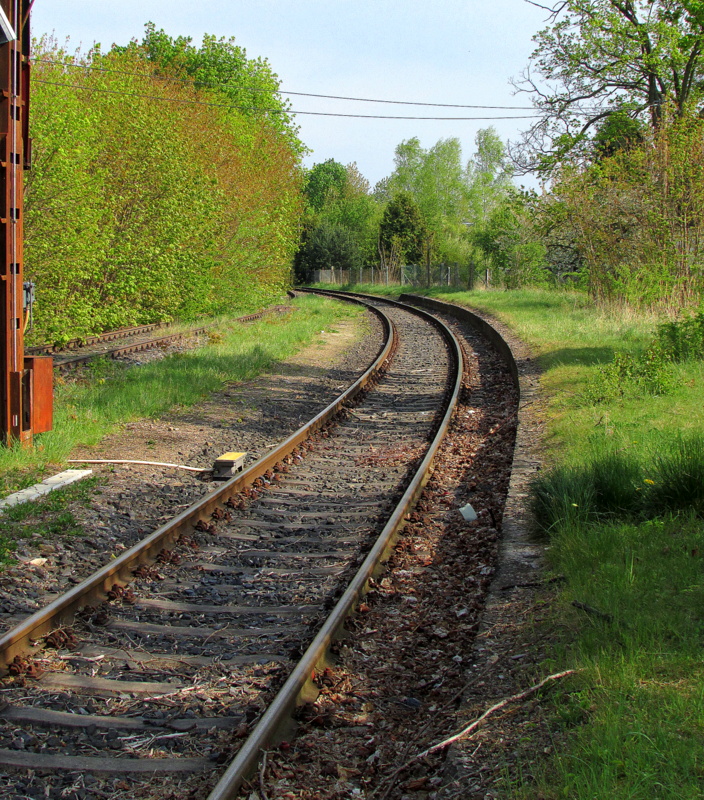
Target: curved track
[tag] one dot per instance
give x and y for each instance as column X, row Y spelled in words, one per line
column 166, row 676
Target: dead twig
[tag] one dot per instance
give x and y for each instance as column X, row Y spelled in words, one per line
column 262, row 771
column 534, row 584
column 594, row 612
column 514, row 698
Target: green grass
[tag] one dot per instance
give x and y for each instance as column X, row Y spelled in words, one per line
column 632, row 723
column 113, row 393
column 45, row 518
column 623, row 508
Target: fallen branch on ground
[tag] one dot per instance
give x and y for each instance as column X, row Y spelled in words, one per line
column 514, row 698
column 262, row 773
column 594, row 612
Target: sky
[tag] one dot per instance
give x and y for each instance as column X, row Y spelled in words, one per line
column 446, row 51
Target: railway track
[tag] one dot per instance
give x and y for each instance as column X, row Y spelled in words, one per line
column 195, row 645
column 124, row 341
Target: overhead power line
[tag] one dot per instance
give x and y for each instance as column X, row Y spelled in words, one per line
column 267, row 110
column 286, row 92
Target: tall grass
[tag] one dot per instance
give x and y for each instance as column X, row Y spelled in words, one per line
column 617, row 485
column 678, row 483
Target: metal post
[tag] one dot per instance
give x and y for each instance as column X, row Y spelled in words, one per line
column 25, row 402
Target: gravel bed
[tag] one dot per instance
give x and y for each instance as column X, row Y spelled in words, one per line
column 371, row 476
column 403, row 670
column 133, row 500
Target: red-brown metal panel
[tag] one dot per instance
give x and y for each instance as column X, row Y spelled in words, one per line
column 41, row 371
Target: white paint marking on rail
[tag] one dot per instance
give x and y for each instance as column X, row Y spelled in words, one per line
column 41, row 489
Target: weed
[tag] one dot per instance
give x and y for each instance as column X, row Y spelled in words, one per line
column 607, row 486
column 614, row 485
column 631, row 375
column 678, row 477
column 616, row 478
column 561, row 497
column 101, row 369
column 650, row 372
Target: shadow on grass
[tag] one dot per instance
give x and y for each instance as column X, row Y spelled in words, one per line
column 583, row 356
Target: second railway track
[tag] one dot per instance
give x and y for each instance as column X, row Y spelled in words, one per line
column 164, row 673
column 115, row 344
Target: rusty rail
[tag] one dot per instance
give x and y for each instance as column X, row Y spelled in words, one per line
column 299, row 684
column 127, row 334
column 18, row 640
column 73, row 344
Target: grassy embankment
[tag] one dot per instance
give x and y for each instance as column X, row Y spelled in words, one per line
column 113, row 393
column 623, row 507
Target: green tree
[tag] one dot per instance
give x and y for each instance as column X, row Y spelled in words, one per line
column 326, row 247
column 437, row 181
column 637, row 217
column 221, row 67
column 356, row 210
column 454, row 200
column 511, row 244
column 403, row 235
column 488, row 175
column 142, row 205
column 325, row 183
column 601, row 57
column 338, row 198
column 617, row 132
column 435, row 177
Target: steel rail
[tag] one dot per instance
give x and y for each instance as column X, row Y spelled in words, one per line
column 17, row 641
column 130, row 348
column 73, row 344
column 300, row 683
column 127, row 333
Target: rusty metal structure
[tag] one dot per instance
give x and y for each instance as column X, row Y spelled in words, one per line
column 26, row 391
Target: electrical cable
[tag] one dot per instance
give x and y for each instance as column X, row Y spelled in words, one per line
column 537, row 112
column 201, row 84
column 268, row 110
column 132, row 461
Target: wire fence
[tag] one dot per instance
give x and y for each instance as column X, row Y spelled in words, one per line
column 441, row 274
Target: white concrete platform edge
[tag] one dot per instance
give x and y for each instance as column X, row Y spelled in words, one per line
column 41, row 489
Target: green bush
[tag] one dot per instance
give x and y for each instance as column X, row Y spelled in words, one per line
column 148, row 200
column 683, row 339
column 627, row 375
column 651, row 372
